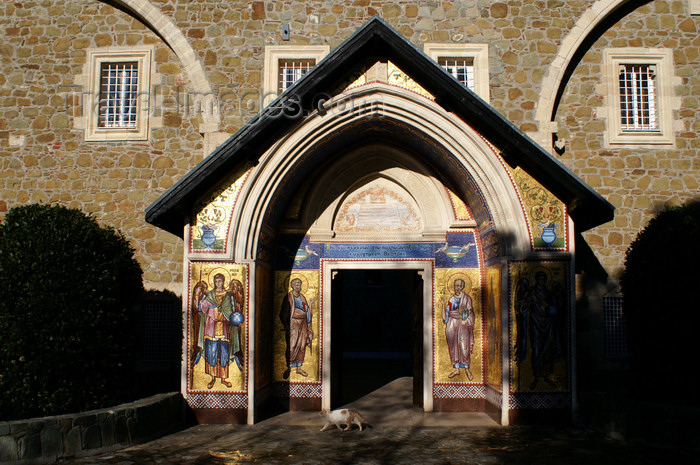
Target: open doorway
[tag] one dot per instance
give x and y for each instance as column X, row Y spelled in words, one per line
column 376, row 332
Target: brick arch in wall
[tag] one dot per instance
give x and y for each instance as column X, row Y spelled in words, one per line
column 175, row 39
column 555, row 77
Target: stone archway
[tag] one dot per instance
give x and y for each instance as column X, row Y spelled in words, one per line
column 462, row 147
column 356, row 178
column 389, row 142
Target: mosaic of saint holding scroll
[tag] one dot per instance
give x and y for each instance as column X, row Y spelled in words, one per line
column 221, row 336
column 458, row 316
column 295, row 315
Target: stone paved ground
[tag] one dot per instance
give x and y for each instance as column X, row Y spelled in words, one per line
column 265, row 444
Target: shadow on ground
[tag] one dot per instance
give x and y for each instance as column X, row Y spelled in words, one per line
column 225, row 445
column 401, row 434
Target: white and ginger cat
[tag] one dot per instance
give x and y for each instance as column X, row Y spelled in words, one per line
column 347, row 416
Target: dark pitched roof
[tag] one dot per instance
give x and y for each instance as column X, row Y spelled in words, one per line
column 373, row 41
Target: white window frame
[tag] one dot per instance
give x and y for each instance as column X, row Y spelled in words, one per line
column 478, row 52
column 296, row 68
column 661, row 61
column 91, row 82
column 694, row 7
column 275, row 53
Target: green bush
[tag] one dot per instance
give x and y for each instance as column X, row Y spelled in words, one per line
column 659, row 282
column 68, row 288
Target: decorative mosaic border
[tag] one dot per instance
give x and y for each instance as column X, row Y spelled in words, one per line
column 296, row 390
column 456, row 391
column 217, row 400
column 519, row 400
column 224, row 251
column 188, row 323
column 470, row 215
column 491, row 247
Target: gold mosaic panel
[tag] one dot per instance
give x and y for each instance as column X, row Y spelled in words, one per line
column 311, row 290
column 212, row 219
column 545, row 213
column 492, row 306
column 202, row 285
column 460, row 208
column 444, row 288
column 539, row 325
column 398, row 78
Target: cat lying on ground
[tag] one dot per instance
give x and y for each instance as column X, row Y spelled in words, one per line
column 346, row 416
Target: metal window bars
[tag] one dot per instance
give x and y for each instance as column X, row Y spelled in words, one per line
column 462, row 68
column 118, row 95
column 291, row 70
column 638, row 97
column 615, row 338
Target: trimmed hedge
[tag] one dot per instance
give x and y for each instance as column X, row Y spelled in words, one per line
column 661, row 277
column 68, row 288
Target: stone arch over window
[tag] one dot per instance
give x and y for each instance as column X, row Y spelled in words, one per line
column 558, row 69
column 175, row 39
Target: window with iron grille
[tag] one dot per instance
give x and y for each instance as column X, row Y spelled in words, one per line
column 640, row 105
column 118, row 95
column 116, row 83
column 286, row 64
column 615, row 328
column 291, row 70
column 467, row 62
column 462, row 68
column 638, row 97
column 161, row 330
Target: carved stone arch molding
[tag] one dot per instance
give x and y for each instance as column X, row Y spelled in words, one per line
column 176, row 40
column 464, row 150
column 371, row 165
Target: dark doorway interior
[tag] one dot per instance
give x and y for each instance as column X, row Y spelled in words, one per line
column 376, row 332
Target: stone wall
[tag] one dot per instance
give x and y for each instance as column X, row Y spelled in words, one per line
column 74, row 435
column 638, row 181
column 43, row 157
